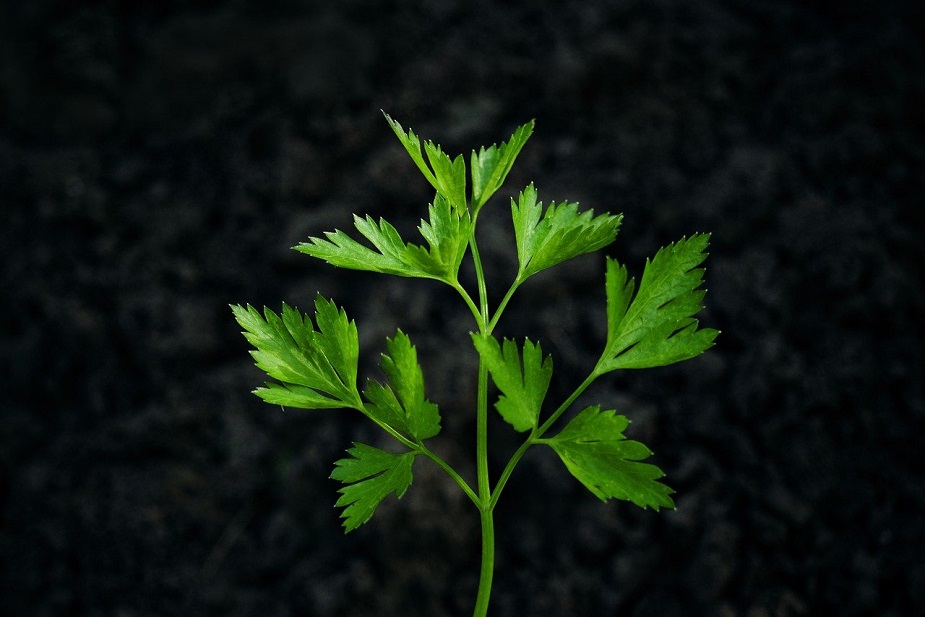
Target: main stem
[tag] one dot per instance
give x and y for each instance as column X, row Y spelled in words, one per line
column 488, row 563
column 486, row 508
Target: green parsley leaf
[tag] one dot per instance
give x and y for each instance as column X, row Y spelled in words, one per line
column 447, row 176
column 447, row 234
column 401, row 403
column 657, row 328
column 561, row 234
column 491, row 165
column 523, row 388
column 317, row 369
column 594, row 450
column 370, row 475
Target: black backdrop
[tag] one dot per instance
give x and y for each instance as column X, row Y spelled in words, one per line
column 157, row 159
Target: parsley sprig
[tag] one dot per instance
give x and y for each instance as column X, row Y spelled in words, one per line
column 313, row 360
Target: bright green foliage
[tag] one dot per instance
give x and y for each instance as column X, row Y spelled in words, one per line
column 544, row 240
column 369, row 475
column 447, row 176
column 491, row 165
column 594, row 449
column 314, row 364
column 317, row 369
column 658, row 327
column 523, row 388
column 401, row 403
column 447, row 233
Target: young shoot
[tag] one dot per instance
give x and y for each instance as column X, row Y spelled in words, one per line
column 312, row 360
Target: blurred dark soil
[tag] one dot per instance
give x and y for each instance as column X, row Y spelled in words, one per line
column 158, row 159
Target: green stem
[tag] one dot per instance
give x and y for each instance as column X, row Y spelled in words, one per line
column 420, row 448
column 411, row 445
column 535, row 436
column 481, row 446
column 567, row 403
column 468, row 299
column 488, row 564
column 481, row 428
column 483, row 289
column 504, row 301
column 509, row 469
column 485, row 510
column 452, row 473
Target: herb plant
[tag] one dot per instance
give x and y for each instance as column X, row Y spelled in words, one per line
column 313, row 361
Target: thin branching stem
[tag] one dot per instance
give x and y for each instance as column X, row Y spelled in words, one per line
column 503, row 304
column 420, row 448
column 452, row 473
column 534, row 437
column 468, row 300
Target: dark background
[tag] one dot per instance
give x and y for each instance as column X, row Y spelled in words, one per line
column 158, row 159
